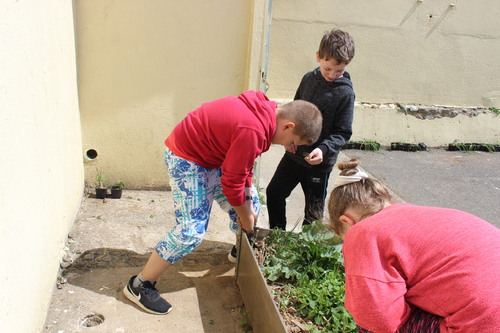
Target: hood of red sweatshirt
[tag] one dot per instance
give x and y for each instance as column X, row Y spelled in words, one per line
column 264, row 110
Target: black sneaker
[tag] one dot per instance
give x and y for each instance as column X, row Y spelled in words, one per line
column 146, row 297
column 233, row 255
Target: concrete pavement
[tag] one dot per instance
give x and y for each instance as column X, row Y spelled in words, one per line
column 112, row 239
column 468, row 181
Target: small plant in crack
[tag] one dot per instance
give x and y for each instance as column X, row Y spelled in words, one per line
column 494, row 110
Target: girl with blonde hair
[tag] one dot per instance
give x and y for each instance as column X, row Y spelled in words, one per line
column 413, row 268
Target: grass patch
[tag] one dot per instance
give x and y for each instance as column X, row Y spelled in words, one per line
column 494, row 109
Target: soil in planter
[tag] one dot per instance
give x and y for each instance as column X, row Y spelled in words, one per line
column 362, row 145
column 305, row 273
column 412, row 147
column 472, row 146
column 489, row 148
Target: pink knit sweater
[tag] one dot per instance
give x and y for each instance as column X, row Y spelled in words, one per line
column 444, row 261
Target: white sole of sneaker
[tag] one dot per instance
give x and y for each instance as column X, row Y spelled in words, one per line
column 231, row 258
column 131, row 297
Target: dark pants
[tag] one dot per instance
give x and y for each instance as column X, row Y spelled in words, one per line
column 419, row 321
column 286, row 177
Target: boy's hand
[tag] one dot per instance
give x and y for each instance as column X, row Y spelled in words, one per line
column 247, row 224
column 247, row 217
column 315, row 157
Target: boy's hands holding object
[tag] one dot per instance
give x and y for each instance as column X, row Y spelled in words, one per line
column 247, row 218
column 315, row 157
column 247, row 224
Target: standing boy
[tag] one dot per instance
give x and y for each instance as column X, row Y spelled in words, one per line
column 210, row 155
column 328, row 87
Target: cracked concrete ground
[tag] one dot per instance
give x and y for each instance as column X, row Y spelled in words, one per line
column 112, row 239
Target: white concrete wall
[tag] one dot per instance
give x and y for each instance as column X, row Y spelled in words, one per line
column 410, row 51
column 386, row 124
column 407, row 51
column 142, row 66
column 41, row 169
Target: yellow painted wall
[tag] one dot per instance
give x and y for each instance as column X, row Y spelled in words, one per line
column 41, row 169
column 142, row 66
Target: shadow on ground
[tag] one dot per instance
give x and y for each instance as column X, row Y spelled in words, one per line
column 201, row 288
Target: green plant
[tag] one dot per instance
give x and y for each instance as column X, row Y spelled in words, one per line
column 120, row 185
column 309, row 267
column 262, row 198
column 494, row 109
column 489, row 147
column 245, row 322
column 465, row 147
column 363, row 145
column 462, row 147
column 370, row 145
column 398, row 145
column 100, row 179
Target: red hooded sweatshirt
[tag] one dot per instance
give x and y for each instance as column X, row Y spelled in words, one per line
column 230, row 133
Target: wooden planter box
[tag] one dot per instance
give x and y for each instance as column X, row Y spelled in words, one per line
column 264, row 315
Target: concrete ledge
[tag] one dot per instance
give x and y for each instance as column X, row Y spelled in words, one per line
column 436, row 126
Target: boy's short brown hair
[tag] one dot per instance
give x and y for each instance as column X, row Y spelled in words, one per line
column 337, row 44
column 307, row 118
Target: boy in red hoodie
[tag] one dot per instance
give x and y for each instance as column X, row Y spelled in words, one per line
column 210, row 155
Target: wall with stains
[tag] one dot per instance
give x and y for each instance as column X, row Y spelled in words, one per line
column 428, row 52
column 425, row 52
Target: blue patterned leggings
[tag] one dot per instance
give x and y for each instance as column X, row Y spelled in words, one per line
column 194, row 189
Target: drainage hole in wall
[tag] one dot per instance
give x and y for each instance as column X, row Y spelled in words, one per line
column 92, row 320
column 91, row 154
